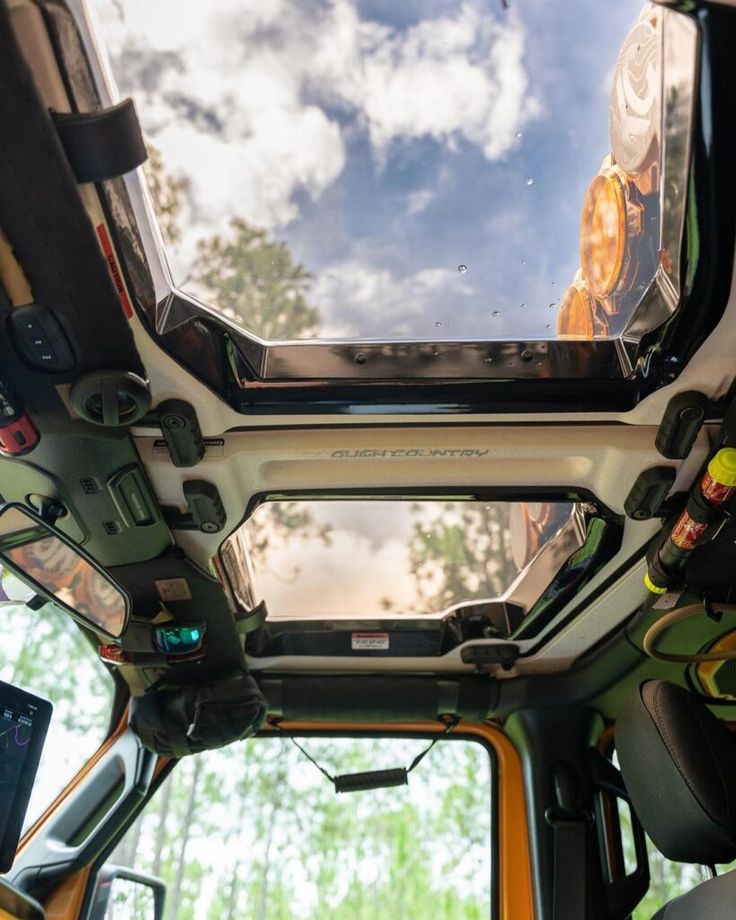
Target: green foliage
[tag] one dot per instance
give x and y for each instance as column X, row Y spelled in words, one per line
column 465, row 558
column 254, row 280
column 167, row 193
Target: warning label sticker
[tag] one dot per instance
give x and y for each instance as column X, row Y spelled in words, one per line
column 173, row 589
column 117, row 278
column 370, row 642
column 213, row 448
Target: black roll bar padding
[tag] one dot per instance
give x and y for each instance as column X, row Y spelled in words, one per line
column 373, row 698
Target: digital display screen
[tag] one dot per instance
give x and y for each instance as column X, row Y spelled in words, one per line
column 24, row 720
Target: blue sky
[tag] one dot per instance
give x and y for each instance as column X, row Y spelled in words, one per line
column 387, row 143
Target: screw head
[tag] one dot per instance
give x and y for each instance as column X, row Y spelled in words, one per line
column 175, row 421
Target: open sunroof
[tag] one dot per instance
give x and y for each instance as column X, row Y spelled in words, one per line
column 399, row 558
column 364, row 169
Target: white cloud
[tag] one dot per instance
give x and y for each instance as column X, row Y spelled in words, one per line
column 445, row 78
column 351, row 293
column 419, row 201
column 290, row 84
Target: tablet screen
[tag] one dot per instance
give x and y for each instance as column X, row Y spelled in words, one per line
column 24, row 720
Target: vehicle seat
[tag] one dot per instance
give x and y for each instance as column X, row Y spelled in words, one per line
column 679, row 765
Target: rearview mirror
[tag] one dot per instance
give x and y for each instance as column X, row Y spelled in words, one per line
column 58, row 569
column 126, row 893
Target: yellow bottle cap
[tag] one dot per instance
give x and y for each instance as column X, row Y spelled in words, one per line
column 655, row 589
column 722, row 467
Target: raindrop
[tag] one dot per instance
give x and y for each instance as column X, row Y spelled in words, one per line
column 522, row 305
column 438, row 324
column 496, row 313
column 554, row 283
column 462, row 269
column 553, row 305
column 361, row 357
column 518, row 135
column 530, row 180
column 523, row 261
column 548, row 326
column 489, row 360
column 527, row 354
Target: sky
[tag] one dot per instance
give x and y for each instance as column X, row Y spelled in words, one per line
column 425, row 160
column 365, row 559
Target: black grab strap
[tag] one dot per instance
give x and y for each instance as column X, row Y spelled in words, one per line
column 372, row 779
column 569, row 823
column 569, row 869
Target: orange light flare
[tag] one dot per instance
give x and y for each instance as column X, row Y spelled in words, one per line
column 611, row 223
column 580, row 316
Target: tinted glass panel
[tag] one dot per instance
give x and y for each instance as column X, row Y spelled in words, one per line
column 329, row 559
column 364, row 168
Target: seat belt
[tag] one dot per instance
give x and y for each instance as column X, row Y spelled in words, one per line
column 569, row 823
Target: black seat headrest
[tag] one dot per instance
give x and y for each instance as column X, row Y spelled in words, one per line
column 679, row 765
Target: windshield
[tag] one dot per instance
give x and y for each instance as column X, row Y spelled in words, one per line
column 255, row 830
column 382, row 558
column 361, row 168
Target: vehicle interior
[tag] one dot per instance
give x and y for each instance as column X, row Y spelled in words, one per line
column 367, row 460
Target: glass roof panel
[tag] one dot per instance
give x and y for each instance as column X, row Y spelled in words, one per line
column 367, row 168
column 373, row 559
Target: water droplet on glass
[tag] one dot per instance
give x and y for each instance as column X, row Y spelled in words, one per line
column 496, row 313
column 462, row 269
column 530, row 180
column 361, row 357
column 523, row 261
column 527, row 354
column 522, row 305
column 489, row 360
column 553, row 304
column 554, row 283
column 518, row 135
column 548, row 326
column 438, row 324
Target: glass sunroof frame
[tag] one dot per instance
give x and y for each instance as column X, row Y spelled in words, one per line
column 540, row 574
column 323, row 360
column 254, row 360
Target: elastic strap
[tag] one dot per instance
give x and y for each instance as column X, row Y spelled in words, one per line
column 415, row 763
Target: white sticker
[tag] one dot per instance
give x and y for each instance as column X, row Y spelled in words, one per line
column 173, row 589
column 667, row 600
column 369, row 642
